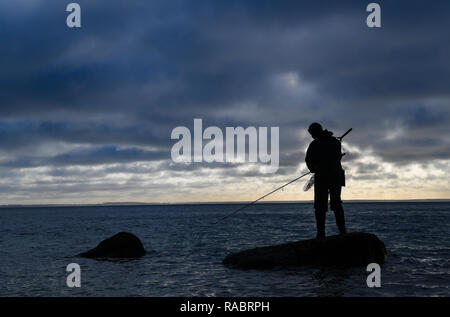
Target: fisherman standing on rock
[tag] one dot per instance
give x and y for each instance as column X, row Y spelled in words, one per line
column 323, row 158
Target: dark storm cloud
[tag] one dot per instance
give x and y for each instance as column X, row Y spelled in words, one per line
column 96, row 156
column 137, row 69
column 26, row 134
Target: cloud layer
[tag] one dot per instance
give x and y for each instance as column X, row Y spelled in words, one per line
column 87, row 113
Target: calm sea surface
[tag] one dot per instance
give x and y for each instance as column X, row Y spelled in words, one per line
column 186, row 250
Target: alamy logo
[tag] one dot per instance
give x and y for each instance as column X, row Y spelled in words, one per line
column 374, row 278
column 374, row 18
column 74, row 278
column 218, row 149
column 74, row 18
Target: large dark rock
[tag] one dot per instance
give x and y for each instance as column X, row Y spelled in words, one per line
column 121, row 245
column 351, row 249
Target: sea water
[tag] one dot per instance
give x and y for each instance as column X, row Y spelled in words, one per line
column 185, row 249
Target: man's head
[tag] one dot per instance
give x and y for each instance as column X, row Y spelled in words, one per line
column 315, row 129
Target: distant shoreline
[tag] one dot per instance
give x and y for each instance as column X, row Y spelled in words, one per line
column 124, row 204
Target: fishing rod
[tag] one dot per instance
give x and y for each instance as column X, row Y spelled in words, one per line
column 273, row 191
column 342, row 136
column 255, row 201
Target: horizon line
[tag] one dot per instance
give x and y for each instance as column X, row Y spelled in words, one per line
column 125, row 203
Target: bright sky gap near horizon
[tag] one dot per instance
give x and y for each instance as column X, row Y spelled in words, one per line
column 86, row 114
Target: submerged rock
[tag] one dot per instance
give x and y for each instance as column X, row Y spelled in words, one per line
column 120, row 245
column 351, row 249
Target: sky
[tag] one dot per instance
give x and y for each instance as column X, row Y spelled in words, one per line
column 86, row 114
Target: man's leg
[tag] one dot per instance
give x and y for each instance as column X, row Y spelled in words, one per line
column 320, row 224
column 320, row 207
column 336, row 206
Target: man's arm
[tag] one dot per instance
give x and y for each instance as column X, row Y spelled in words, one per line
column 310, row 159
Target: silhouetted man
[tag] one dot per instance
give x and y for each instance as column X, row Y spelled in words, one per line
column 323, row 158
